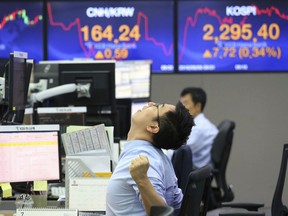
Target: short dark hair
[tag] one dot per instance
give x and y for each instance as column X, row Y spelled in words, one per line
column 198, row 95
column 175, row 128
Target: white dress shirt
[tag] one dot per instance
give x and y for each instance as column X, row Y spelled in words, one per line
column 201, row 140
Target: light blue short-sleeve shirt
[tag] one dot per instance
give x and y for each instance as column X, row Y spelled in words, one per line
column 123, row 197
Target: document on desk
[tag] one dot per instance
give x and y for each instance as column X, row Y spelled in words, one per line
column 88, row 194
column 46, row 212
column 95, row 162
column 87, row 139
column 109, row 131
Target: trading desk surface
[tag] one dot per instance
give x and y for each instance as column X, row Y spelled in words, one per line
column 216, row 212
column 7, row 208
column 9, row 205
column 6, row 213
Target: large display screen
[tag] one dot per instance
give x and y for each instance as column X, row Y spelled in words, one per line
column 21, row 28
column 121, row 30
column 219, row 36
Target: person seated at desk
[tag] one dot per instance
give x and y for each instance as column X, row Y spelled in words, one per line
column 203, row 134
column 154, row 127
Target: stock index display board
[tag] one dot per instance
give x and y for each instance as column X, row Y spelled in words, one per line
column 121, row 30
column 219, row 36
column 21, row 28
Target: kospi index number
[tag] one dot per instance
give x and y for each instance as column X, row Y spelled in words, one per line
column 120, row 30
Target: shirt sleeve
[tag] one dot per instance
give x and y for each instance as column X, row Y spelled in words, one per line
column 156, row 176
column 194, row 139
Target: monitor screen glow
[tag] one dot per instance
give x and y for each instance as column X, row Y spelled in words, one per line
column 21, row 28
column 132, row 79
column 29, row 153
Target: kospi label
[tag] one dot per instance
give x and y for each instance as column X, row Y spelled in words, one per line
column 241, row 10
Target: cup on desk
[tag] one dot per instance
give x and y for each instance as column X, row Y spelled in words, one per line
column 24, row 201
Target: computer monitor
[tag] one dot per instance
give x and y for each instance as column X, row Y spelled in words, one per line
column 125, row 109
column 19, row 117
column 99, row 74
column 132, row 79
column 29, row 153
column 47, row 70
column 101, row 80
column 101, row 77
column 3, row 62
column 15, row 81
column 17, row 78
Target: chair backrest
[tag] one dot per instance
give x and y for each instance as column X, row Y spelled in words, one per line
column 195, row 200
column 278, row 208
column 161, row 211
column 220, row 155
column 183, row 165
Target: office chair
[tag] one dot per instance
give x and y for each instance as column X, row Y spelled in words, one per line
column 278, row 208
column 161, row 211
column 195, row 200
column 182, row 164
column 220, row 153
column 243, row 214
column 222, row 193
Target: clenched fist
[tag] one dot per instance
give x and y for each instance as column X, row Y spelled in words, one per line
column 139, row 167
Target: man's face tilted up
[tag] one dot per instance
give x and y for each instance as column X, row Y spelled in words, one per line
column 149, row 115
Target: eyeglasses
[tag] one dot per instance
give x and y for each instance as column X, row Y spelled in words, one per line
column 158, row 116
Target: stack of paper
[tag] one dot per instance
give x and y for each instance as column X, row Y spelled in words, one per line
column 87, row 139
column 88, row 154
column 91, row 145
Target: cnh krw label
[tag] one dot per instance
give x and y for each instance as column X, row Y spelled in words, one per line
column 110, row 12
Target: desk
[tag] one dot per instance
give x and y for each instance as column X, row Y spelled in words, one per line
column 9, row 205
column 216, row 212
column 8, row 208
column 7, row 213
